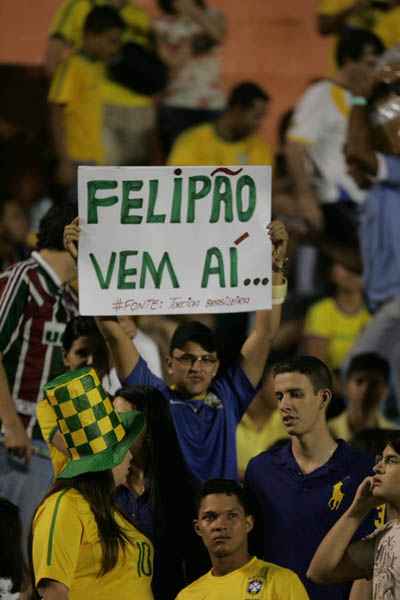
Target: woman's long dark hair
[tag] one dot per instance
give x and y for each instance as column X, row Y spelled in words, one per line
column 12, row 564
column 98, row 490
column 168, row 482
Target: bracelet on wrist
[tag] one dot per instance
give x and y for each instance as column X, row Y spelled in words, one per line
column 358, row 101
column 279, row 293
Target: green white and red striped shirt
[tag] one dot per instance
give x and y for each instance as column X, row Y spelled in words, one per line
column 34, row 309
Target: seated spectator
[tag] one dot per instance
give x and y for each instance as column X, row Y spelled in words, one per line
column 13, row 576
column 14, row 230
column 128, row 115
column 261, row 425
column 232, row 139
column 333, row 324
column 76, row 94
column 376, row 557
column 189, row 35
column 91, row 549
column 205, row 406
column 365, row 390
column 224, row 521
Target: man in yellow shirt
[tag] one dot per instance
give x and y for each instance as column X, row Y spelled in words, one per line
column 224, row 522
column 366, row 390
column 75, row 94
column 129, row 117
column 232, row 139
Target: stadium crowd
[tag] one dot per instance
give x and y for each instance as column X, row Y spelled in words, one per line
column 213, row 456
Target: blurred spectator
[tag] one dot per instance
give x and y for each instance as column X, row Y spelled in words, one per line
column 303, row 486
column 333, row 324
column 327, row 196
column 35, row 305
column 14, row 231
column 233, row 138
column 261, row 425
column 373, row 156
column 129, row 115
column 380, row 16
column 13, row 575
column 366, row 389
column 189, row 35
column 76, row 94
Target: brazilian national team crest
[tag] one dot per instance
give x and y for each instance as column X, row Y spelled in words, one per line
column 255, row 586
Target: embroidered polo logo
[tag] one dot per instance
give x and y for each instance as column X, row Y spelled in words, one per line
column 255, row 586
column 337, row 496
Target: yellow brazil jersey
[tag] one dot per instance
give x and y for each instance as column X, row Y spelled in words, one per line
column 256, row 579
column 324, row 319
column 340, row 428
column 250, row 440
column 68, row 25
column 365, row 18
column 47, row 420
column 202, row 146
column 388, row 27
column 66, row 548
column 77, row 85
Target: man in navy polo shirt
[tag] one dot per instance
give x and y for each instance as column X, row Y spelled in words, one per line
column 303, row 486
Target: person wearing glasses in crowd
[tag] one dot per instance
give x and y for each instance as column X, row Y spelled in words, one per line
column 205, row 405
column 377, row 556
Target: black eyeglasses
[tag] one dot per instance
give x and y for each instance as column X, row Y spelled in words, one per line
column 188, row 360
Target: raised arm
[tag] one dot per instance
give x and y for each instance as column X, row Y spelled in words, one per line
column 122, row 348
column 332, row 563
column 256, row 348
column 213, row 24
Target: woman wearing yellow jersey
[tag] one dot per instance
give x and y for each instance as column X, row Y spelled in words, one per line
column 82, row 546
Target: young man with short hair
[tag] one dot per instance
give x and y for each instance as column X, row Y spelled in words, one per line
column 366, row 389
column 206, row 405
column 223, row 522
column 338, row 558
column 303, row 486
column 233, row 138
column 36, row 302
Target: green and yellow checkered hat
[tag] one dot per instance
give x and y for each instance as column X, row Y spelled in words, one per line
column 96, row 436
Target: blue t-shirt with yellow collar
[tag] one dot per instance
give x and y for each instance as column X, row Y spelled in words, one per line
column 299, row 509
column 206, row 427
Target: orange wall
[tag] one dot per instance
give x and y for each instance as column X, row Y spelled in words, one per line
column 270, row 41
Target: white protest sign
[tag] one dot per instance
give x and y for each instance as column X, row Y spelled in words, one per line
column 169, row 240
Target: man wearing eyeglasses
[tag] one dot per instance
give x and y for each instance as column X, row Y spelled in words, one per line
column 376, row 556
column 206, row 406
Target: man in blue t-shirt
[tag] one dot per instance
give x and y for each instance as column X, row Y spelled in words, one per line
column 206, row 406
column 303, row 486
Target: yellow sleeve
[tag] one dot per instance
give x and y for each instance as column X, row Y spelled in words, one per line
column 68, row 21
column 318, row 320
column 46, row 418
column 388, row 28
column 332, row 7
column 57, row 534
column 63, row 87
column 262, row 153
column 286, row 584
column 186, row 151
